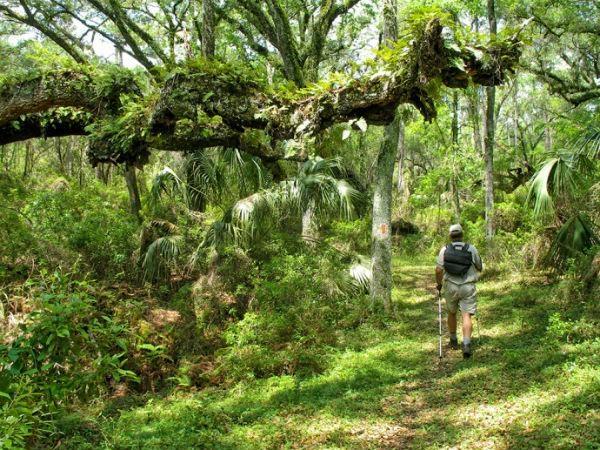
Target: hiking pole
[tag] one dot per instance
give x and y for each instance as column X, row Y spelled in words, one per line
column 440, row 321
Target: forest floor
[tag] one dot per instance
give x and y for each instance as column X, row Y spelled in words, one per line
column 525, row 387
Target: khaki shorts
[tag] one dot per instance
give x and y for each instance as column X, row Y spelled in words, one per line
column 463, row 295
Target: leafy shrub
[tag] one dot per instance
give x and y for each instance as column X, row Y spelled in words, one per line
column 21, row 413
column 351, row 236
column 88, row 222
column 67, row 349
column 15, row 229
column 571, row 331
column 299, row 302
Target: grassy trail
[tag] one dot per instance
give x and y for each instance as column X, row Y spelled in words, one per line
column 389, row 390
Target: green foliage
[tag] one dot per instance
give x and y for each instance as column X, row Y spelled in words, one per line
column 15, row 227
column 291, row 323
column 22, row 415
column 67, row 348
column 89, row 222
column 320, row 185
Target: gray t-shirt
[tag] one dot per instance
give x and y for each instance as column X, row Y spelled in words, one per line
column 472, row 274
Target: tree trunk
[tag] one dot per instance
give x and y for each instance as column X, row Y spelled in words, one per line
column 208, row 29
column 548, row 144
column 28, row 164
column 490, row 125
column 401, row 155
column 381, row 237
column 516, row 115
column 475, row 115
column 310, row 231
column 455, row 192
column 135, row 204
column 103, row 172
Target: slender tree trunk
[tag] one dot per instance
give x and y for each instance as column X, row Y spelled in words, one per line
column 475, row 110
column 310, row 231
column 475, row 116
column 490, row 129
column 103, row 173
column 28, row 164
column 516, row 115
column 208, row 29
column 69, row 156
column 81, row 158
column 455, row 192
column 548, row 144
column 381, row 238
column 135, row 203
column 119, row 56
column 401, row 155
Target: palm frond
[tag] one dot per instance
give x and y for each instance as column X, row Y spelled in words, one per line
column 588, row 144
column 216, row 173
column 221, row 233
column 349, row 198
column 361, row 273
column 556, row 178
column 573, row 239
column 167, row 182
column 163, row 227
column 160, row 255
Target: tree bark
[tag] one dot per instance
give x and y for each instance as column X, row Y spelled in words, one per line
column 490, row 131
column 401, row 156
column 208, row 29
column 310, row 231
column 135, row 203
column 381, row 232
column 28, row 162
column 548, row 142
column 455, row 192
column 475, row 115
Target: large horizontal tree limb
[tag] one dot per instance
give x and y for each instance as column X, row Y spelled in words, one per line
column 86, row 89
column 209, row 106
column 195, row 106
column 44, row 126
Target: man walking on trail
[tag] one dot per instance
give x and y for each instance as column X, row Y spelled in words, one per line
column 458, row 267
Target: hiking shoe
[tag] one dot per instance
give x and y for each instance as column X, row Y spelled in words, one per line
column 467, row 352
column 454, row 343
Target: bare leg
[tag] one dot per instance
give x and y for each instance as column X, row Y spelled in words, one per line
column 467, row 324
column 452, row 323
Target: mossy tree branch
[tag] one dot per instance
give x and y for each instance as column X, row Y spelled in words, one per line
column 199, row 108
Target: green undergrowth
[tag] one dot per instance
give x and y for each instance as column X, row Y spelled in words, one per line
column 533, row 382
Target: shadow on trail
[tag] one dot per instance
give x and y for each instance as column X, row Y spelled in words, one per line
column 398, row 381
column 511, row 357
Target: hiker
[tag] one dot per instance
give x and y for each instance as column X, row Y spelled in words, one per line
column 458, row 267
